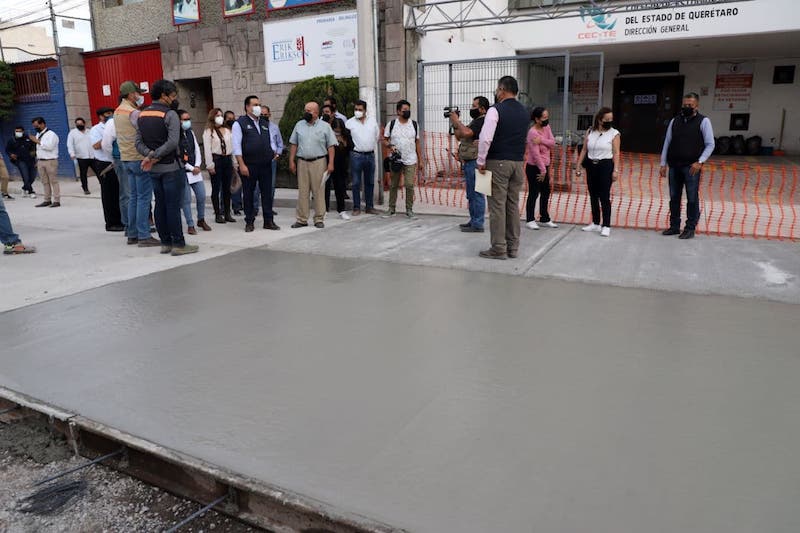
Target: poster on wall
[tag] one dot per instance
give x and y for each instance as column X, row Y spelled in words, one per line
column 185, row 12
column 234, row 8
column 733, row 86
column 272, row 5
column 299, row 49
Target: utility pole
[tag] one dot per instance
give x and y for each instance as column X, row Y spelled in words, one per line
column 55, row 26
column 368, row 73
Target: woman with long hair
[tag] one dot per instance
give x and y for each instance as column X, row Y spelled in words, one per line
column 600, row 157
column 538, row 150
column 218, row 149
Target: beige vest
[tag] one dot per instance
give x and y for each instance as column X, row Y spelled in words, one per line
column 126, row 133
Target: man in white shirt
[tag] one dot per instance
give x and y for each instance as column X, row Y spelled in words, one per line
column 402, row 139
column 80, row 148
column 364, row 132
column 104, row 168
column 46, row 142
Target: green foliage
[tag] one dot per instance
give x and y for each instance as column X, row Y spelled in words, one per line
column 6, row 91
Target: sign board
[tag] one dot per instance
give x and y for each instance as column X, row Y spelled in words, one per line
column 185, row 12
column 733, row 86
column 299, row 49
column 234, row 8
column 272, row 5
column 645, row 99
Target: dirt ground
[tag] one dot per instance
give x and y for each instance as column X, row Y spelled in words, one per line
column 110, row 501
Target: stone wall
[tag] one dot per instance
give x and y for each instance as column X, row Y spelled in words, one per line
column 398, row 55
column 76, row 95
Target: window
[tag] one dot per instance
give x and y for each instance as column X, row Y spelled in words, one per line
column 31, row 86
column 115, row 3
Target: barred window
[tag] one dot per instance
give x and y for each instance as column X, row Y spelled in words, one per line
column 31, row 86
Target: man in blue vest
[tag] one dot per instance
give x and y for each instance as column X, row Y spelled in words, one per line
column 252, row 147
column 688, row 145
column 501, row 150
column 157, row 139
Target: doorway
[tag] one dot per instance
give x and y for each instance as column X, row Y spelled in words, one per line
column 197, row 98
column 643, row 108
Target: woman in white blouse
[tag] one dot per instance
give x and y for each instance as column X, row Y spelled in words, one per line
column 218, row 150
column 600, row 157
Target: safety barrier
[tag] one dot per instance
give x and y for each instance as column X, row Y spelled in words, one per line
column 736, row 198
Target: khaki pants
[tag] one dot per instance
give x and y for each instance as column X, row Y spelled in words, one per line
column 507, row 180
column 3, row 176
column 309, row 176
column 48, row 171
column 408, row 173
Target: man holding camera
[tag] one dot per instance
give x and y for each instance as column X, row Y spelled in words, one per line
column 402, row 139
column 468, row 155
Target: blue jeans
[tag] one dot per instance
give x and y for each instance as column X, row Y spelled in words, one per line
column 168, row 188
column 26, row 170
column 475, row 200
column 124, row 194
column 679, row 178
column 199, row 189
column 237, row 199
column 141, row 194
column 362, row 170
column 7, row 235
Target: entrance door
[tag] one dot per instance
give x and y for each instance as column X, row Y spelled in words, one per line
column 643, row 108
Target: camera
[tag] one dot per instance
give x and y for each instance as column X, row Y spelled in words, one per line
column 449, row 110
column 393, row 162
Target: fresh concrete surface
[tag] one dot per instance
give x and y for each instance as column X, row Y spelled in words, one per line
column 440, row 400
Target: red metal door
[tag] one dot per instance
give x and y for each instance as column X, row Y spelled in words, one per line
column 110, row 68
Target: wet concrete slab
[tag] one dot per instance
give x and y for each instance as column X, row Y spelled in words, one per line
column 438, row 399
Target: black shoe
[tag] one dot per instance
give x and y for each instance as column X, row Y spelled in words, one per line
column 471, row 229
column 44, row 204
column 465, row 225
column 86, row 192
column 492, row 254
column 299, row 225
column 55, row 204
column 133, row 240
column 319, row 225
column 115, row 228
column 7, row 196
column 274, row 213
column 271, row 225
column 229, row 218
column 671, row 231
column 237, row 212
column 248, row 228
column 219, row 219
column 687, row 234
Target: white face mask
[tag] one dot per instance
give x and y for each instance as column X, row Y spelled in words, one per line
column 359, row 114
column 219, row 121
column 18, row 134
column 186, row 124
column 139, row 101
column 256, row 111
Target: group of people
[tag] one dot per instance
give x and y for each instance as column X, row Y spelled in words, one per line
column 141, row 153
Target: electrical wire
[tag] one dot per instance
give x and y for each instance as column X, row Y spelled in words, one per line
column 50, row 499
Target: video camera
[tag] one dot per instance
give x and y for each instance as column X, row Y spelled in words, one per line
column 449, row 110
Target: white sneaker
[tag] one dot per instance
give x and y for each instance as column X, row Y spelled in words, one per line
column 532, row 225
column 605, row 232
column 25, row 194
column 344, row 216
column 33, row 195
column 591, row 227
column 550, row 224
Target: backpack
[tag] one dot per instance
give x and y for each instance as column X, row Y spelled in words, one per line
column 391, row 127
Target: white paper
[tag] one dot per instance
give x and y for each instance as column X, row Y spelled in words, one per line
column 483, row 182
column 325, row 176
column 194, row 178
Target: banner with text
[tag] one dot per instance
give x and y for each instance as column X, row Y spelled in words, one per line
column 733, row 86
column 302, row 48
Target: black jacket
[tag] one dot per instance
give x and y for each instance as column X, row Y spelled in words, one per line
column 22, row 148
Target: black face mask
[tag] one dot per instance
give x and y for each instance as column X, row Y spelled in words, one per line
column 687, row 111
column 545, row 122
column 474, row 113
column 229, row 123
column 174, row 105
column 326, row 118
column 81, row 127
column 37, row 129
column 607, row 125
column 308, row 117
column 406, row 114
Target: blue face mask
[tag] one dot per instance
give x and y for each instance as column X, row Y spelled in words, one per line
column 186, row 124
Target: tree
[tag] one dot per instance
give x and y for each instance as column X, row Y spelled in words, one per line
column 6, row 91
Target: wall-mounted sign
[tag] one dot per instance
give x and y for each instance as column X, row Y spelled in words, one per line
column 185, row 12
column 234, row 8
column 733, row 87
column 106, row 90
column 272, row 5
column 645, row 99
column 299, row 49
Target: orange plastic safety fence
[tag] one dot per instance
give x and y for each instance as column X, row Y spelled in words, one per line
column 736, row 198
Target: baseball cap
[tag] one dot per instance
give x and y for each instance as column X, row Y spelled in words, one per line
column 104, row 110
column 129, row 87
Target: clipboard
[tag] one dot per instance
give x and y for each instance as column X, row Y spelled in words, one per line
column 483, row 182
column 325, row 176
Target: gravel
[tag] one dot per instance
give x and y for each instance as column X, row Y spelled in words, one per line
column 111, row 501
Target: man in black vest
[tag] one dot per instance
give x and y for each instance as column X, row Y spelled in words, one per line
column 157, row 139
column 252, row 147
column 688, row 145
column 501, row 150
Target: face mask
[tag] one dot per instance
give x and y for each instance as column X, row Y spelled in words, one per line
column 308, row 117
column 186, row 124
column 37, row 129
column 106, row 119
column 358, row 114
column 607, row 125
column 219, row 121
column 547, row 122
column 406, row 114
column 81, row 127
column 326, row 118
column 474, row 113
column 174, row 105
column 139, row 101
column 229, row 123
column 256, row 111
column 18, row 134
column 687, row 111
